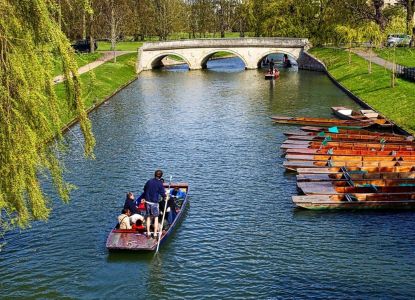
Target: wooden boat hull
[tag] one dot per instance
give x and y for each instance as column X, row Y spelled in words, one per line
column 349, row 158
column 348, row 130
column 358, row 170
column 346, row 113
column 131, row 240
column 360, row 134
column 363, row 201
column 295, row 164
column 347, row 152
column 352, row 138
column 339, row 187
column 345, row 176
column 292, row 144
column 321, row 122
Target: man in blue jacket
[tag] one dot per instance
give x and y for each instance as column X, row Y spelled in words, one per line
column 153, row 191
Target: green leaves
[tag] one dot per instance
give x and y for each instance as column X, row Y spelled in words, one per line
column 30, row 113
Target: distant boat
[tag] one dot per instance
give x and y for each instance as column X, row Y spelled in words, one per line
column 346, row 113
column 136, row 240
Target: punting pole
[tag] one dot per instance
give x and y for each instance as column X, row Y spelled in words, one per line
column 164, row 215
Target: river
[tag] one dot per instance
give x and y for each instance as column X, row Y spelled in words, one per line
column 241, row 236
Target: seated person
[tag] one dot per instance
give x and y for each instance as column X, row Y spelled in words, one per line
column 124, row 219
column 130, row 204
column 141, row 205
column 177, row 193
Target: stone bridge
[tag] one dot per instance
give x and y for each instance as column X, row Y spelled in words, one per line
column 196, row 53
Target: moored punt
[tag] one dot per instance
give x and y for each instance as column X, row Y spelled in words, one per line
column 358, row 134
column 321, row 122
column 326, row 157
column 346, row 113
column 356, row 201
column 136, row 240
column 349, row 131
column 347, row 152
column 293, row 165
column 346, row 176
column 291, row 144
column 358, row 186
column 352, row 138
column 357, row 170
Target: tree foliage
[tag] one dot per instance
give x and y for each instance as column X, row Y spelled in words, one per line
column 30, row 114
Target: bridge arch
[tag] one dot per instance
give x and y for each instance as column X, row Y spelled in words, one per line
column 207, row 56
column 276, row 51
column 155, row 61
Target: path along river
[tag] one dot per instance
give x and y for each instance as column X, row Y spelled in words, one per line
column 241, row 236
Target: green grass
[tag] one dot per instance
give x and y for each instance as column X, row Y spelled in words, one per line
column 82, row 59
column 397, row 104
column 120, row 46
column 404, row 56
column 108, row 78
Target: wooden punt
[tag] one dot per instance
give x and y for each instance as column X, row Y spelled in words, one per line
column 351, row 138
column 348, row 130
column 357, row 170
column 346, row 176
column 136, row 240
column 321, row 122
column 347, row 152
column 293, row 165
column 327, row 157
column 358, row 186
column 289, row 144
column 356, row 201
column 346, row 113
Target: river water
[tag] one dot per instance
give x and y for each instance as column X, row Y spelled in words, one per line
column 241, row 237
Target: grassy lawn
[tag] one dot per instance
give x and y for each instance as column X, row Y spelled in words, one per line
column 120, row 46
column 108, row 78
column 397, row 104
column 81, row 58
column 404, row 56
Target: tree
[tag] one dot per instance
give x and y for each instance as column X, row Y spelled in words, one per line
column 372, row 34
column 348, row 35
column 409, row 6
column 30, row 113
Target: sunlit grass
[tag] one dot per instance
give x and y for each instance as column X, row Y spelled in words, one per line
column 397, row 104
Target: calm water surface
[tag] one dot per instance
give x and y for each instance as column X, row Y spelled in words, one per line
column 241, row 236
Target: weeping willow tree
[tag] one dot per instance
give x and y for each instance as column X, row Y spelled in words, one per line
column 30, row 113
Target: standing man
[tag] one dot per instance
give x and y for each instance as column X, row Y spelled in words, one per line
column 153, row 190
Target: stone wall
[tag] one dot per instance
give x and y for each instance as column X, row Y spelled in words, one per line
column 309, row 62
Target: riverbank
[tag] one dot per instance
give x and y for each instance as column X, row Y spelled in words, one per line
column 397, row 103
column 99, row 85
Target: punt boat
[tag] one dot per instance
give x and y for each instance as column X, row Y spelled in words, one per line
column 358, row 186
column 352, row 138
column 346, row 113
column 326, row 157
column 293, row 165
column 346, row 176
column 358, row 170
column 356, row 201
column 347, row 130
column 355, row 132
column 322, row 122
column 291, row 144
column 347, row 152
column 136, row 240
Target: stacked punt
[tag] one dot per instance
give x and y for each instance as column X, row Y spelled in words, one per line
column 351, row 169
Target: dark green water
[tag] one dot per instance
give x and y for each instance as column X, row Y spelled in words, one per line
column 241, row 236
